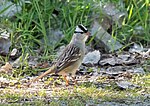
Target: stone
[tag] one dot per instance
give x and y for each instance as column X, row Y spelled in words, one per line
column 91, row 58
column 107, row 41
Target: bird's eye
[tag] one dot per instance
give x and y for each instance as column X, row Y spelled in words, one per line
column 78, row 32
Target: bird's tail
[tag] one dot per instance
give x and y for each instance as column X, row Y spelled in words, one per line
column 51, row 70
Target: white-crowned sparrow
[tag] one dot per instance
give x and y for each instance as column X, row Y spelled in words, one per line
column 72, row 56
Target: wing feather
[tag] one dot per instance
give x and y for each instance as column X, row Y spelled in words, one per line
column 70, row 55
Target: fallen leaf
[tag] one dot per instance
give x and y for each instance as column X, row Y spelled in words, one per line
column 7, row 68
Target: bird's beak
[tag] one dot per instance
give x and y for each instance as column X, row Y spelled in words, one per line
column 88, row 33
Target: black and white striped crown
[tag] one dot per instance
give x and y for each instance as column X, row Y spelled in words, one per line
column 81, row 29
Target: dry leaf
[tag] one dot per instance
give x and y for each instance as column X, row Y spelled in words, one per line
column 7, row 68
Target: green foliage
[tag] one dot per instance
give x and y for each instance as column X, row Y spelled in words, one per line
column 136, row 26
column 38, row 17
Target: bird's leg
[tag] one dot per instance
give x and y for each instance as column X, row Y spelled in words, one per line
column 74, row 79
column 67, row 81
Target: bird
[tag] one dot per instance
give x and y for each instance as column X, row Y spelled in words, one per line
column 71, row 58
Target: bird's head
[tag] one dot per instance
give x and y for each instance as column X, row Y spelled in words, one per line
column 81, row 33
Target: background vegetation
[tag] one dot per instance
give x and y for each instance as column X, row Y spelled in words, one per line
column 36, row 18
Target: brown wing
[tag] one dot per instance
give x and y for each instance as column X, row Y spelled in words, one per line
column 70, row 55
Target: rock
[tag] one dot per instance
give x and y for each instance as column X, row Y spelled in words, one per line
column 125, row 59
column 54, row 37
column 126, row 85
column 102, row 28
column 106, row 23
column 136, row 48
column 91, row 58
column 115, row 70
column 139, row 70
column 139, row 49
column 115, row 14
column 9, row 9
column 105, row 39
column 17, row 62
column 13, row 52
column 138, row 30
column 109, row 61
column 33, row 61
column 60, row 51
column 4, row 41
column 146, row 54
column 4, row 46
